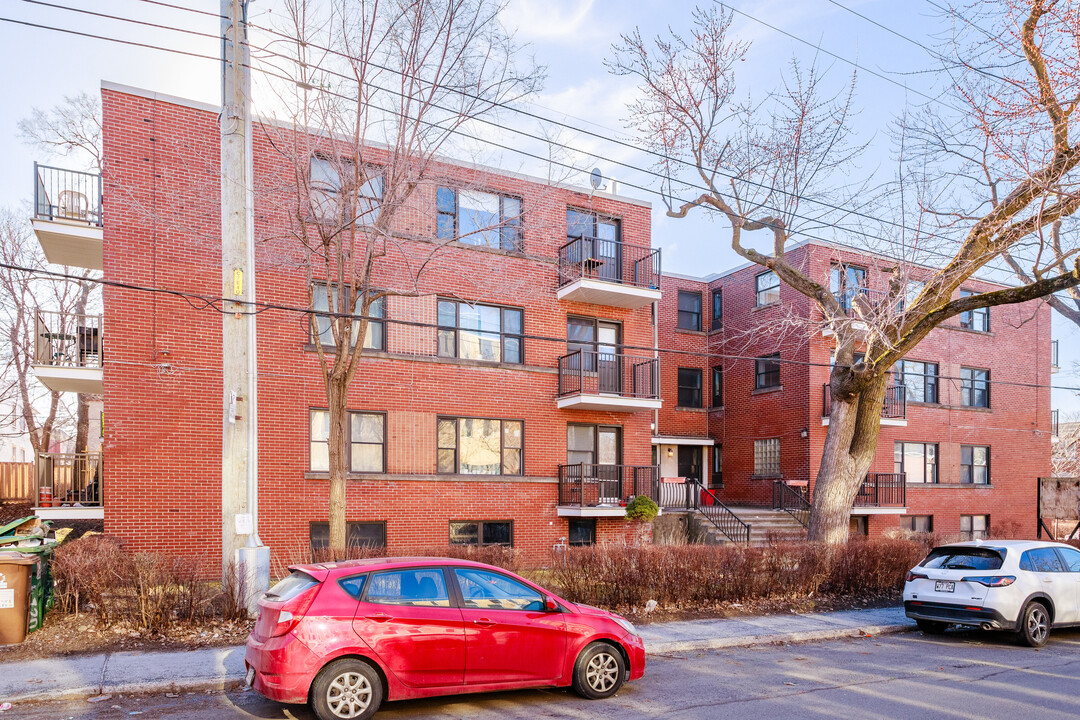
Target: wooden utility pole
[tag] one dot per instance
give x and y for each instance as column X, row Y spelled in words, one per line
column 242, row 551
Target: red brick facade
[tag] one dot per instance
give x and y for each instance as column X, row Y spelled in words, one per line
column 1016, row 427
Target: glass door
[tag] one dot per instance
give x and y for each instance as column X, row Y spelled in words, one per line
column 609, row 372
column 609, row 468
column 608, row 250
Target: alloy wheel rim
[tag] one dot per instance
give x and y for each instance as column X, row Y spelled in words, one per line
column 349, row 695
column 602, row 672
column 1037, row 624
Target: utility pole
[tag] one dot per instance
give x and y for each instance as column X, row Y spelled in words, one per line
column 242, row 551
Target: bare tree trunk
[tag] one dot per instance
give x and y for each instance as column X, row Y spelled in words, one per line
column 338, row 448
column 854, row 426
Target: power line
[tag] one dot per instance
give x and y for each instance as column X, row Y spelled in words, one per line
column 206, row 302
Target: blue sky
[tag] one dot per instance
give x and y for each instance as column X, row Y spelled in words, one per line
column 571, row 37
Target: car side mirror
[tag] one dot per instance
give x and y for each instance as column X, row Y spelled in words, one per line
column 550, row 605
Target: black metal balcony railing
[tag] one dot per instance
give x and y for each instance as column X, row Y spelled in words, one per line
column 594, row 485
column 894, row 406
column 793, row 501
column 589, row 372
column 610, row 261
column 67, row 339
column 882, row 490
column 69, row 479
column 68, row 195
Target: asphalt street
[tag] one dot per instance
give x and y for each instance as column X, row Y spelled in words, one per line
column 961, row 675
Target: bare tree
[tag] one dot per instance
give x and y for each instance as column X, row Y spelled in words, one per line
column 376, row 91
column 765, row 169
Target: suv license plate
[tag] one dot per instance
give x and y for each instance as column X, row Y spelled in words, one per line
column 944, row 586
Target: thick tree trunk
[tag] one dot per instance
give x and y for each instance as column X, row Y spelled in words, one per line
column 850, row 443
column 339, row 459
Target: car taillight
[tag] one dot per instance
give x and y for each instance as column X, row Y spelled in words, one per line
column 991, row 580
column 913, row 576
column 292, row 612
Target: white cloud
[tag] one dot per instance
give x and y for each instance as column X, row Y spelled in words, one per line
column 549, row 20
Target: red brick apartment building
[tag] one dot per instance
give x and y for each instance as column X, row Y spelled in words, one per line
column 525, row 409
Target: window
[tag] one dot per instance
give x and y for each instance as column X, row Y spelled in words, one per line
column 689, row 387
column 717, row 387
column 480, row 332
column 974, row 387
column 593, row 336
column 918, row 461
column 1041, row 560
column 717, row 479
column 846, row 282
column 593, row 444
column 973, row 558
column 482, row 533
column 330, row 184
column 474, row 446
column 767, row 457
column 1071, row 557
column 858, row 525
column 479, row 218
column 374, row 337
column 582, row 531
column 357, row 534
column 918, row 523
column 717, row 309
column 920, row 380
column 367, row 442
column 912, row 290
column 415, row 587
column 978, row 319
column 583, row 223
column 487, row 590
column 767, row 286
column 974, row 527
column 975, row 464
column 689, row 310
column 767, row 372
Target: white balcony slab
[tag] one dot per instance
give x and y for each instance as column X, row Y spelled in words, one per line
column 71, row 379
column 612, row 294
column 879, row 511
column 609, row 403
column 70, row 513
column 77, row 244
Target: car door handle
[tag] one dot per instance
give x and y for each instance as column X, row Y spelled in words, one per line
column 484, row 622
column 381, row 617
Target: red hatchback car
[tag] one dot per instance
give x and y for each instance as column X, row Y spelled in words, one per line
column 346, row 636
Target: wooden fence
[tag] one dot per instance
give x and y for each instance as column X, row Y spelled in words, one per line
column 17, row 482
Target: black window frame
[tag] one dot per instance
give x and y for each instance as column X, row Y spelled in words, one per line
column 901, row 466
column 970, row 534
column 929, row 380
column 967, row 469
column 716, row 481
column 689, row 319
column 759, row 290
column 447, row 222
column 350, row 526
column 380, row 413
column 970, row 384
column 376, row 308
column 910, row 521
column 590, row 526
column 717, row 309
column 763, row 372
column 445, row 330
column 480, row 533
column 838, row 283
column 456, row 419
column 977, row 319
column 690, row 395
column 717, row 386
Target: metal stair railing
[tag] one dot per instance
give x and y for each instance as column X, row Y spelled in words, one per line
column 793, row 503
column 720, row 515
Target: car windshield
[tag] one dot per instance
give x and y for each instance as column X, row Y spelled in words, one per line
column 963, row 558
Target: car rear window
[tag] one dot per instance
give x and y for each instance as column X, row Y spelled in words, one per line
column 963, row 558
column 291, row 586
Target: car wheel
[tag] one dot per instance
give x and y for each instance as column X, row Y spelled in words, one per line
column 931, row 627
column 1034, row 625
column 599, row 671
column 346, row 689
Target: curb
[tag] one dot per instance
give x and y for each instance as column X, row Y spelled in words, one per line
column 752, row 640
column 227, row 683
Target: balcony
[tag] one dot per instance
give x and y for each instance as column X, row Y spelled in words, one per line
column 893, row 408
column 881, row 494
column 68, row 352
column 608, row 272
column 68, row 216
column 1054, row 367
column 69, row 486
column 592, row 380
column 592, row 490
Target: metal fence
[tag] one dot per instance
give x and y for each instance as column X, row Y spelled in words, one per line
column 590, row 372
column 67, row 339
column 68, row 195
column 894, row 406
column 66, row 479
column 609, row 260
column 594, row 484
column 882, row 490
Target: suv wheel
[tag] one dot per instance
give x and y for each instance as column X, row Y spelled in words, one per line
column 346, row 689
column 1034, row 628
column 599, row 671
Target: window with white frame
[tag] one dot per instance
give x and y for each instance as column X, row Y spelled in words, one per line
column 767, row 457
column 767, row 288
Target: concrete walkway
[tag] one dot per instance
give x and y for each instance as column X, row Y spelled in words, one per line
column 92, row 676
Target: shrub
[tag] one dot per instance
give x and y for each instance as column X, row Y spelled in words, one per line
column 87, row 573
column 642, row 508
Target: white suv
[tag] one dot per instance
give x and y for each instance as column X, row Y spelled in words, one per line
column 1023, row 586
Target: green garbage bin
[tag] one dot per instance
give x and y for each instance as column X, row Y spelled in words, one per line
column 41, row 584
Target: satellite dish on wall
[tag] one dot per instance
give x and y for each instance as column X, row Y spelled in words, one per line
column 596, row 179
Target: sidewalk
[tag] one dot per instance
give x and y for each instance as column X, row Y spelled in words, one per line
column 218, row 668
